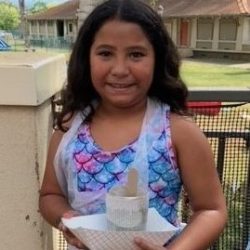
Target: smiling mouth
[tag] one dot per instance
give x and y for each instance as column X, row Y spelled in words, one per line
column 120, row 85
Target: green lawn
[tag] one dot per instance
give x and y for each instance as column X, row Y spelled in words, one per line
column 196, row 74
column 19, row 45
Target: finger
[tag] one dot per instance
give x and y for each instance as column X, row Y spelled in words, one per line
column 61, row 227
column 68, row 233
column 85, row 248
column 72, row 240
column 71, row 213
column 146, row 245
column 75, row 242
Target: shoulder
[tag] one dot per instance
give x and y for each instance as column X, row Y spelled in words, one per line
column 178, row 121
column 58, row 134
column 183, row 126
column 192, row 149
column 186, row 134
column 67, row 120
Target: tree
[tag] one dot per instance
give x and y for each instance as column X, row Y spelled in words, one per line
column 22, row 14
column 21, row 6
column 38, row 6
column 153, row 3
column 9, row 16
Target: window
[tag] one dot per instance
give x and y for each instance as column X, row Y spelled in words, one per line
column 70, row 27
column 42, row 27
column 228, row 29
column 50, row 27
column 205, row 29
column 33, row 27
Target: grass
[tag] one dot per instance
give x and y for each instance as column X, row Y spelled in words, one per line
column 18, row 45
column 206, row 74
column 195, row 73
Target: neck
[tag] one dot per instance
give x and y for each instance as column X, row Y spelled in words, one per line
column 105, row 109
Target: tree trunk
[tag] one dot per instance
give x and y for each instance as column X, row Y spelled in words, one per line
column 23, row 27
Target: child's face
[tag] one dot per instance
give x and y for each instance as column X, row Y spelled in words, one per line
column 121, row 63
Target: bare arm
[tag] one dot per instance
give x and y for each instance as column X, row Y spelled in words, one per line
column 201, row 182
column 52, row 202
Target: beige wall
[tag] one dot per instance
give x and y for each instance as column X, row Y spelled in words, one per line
column 25, row 129
column 24, row 135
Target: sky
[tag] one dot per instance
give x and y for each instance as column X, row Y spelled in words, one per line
column 29, row 3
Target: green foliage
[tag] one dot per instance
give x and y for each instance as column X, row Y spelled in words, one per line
column 197, row 74
column 153, row 3
column 38, row 6
column 9, row 16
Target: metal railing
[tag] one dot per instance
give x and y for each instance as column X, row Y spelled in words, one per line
column 51, row 42
column 224, row 117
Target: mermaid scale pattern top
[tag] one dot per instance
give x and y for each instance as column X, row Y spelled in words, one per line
column 89, row 172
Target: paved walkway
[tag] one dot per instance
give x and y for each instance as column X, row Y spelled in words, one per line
column 241, row 65
column 230, row 63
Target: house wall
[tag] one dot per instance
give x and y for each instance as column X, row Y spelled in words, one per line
column 48, row 29
column 51, row 28
column 246, row 33
column 193, row 33
column 71, row 29
column 85, row 7
column 203, row 45
column 173, row 27
column 229, row 34
column 42, row 28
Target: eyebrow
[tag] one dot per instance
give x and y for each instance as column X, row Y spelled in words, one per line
column 136, row 47
column 104, row 46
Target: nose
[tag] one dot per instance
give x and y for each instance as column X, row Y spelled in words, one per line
column 120, row 68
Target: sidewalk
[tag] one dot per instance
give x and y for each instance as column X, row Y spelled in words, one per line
column 218, row 61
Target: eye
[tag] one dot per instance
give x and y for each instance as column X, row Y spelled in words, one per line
column 104, row 53
column 136, row 55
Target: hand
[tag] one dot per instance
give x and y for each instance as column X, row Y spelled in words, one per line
column 146, row 245
column 69, row 237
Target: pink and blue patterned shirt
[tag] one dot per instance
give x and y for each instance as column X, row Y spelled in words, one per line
column 86, row 172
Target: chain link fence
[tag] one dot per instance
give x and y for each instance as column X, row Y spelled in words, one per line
column 17, row 42
column 227, row 127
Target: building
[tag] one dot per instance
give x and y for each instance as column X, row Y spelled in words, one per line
column 85, row 7
column 196, row 26
column 208, row 27
column 56, row 23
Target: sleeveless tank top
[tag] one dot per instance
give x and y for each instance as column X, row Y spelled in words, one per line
column 85, row 171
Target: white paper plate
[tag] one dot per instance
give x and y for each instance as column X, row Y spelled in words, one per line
column 92, row 231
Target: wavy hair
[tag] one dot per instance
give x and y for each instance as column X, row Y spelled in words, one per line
column 167, row 85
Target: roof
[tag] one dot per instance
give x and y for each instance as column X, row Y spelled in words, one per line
column 172, row 8
column 187, row 8
column 67, row 10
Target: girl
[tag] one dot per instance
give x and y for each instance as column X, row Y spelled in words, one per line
column 124, row 86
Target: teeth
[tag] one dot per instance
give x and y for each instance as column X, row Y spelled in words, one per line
column 117, row 85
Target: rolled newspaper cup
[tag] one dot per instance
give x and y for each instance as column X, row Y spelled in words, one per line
column 126, row 213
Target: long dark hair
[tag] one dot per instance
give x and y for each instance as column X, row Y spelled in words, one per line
column 167, row 85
